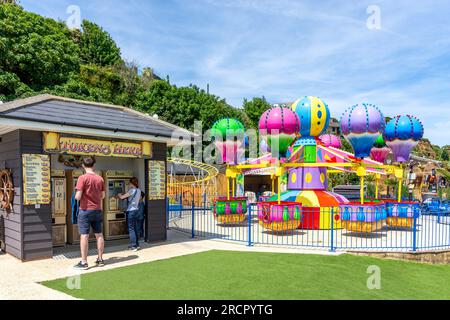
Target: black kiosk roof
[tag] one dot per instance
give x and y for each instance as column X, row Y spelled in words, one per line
column 66, row 115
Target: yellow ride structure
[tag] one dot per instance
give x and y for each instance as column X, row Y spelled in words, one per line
column 194, row 182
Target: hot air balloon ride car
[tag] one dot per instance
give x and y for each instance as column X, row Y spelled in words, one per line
column 230, row 210
column 402, row 214
column 363, row 218
column 282, row 216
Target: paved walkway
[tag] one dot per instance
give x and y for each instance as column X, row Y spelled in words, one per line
column 20, row 281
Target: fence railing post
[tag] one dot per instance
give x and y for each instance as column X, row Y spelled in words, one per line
column 414, row 245
column 193, row 219
column 204, row 204
column 332, row 248
column 181, row 206
column 439, row 213
column 249, row 219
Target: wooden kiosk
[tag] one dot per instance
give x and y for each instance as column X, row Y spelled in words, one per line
column 42, row 142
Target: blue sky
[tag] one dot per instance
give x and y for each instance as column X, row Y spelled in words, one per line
column 288, row 49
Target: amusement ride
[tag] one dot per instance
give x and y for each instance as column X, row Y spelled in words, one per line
column 301, row 158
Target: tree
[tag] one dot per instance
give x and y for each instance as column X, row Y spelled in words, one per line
column 9, row 2
column 184, row 105
column 255, row 108
column 97, row 46
column 111, row 84
column 11, row 86
column 147, row 77
column 437, row 150
column 37, row 50
column 444, row 155
column 370, row 180
column 391, row 184
column 131, row 82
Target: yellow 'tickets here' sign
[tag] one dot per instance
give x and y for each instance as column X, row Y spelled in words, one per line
column 92, row 147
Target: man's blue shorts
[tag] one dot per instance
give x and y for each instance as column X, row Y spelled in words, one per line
column 88, row 219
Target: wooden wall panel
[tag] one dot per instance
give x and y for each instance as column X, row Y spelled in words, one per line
column 36, row 221
column 10, row 158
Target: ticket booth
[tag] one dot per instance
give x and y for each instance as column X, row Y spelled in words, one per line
column 58, row 205
column 43, row 140
column 115, row 223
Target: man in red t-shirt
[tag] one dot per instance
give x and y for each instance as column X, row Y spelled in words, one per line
column 90, row 192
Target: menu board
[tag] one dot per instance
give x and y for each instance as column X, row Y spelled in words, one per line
column 36, row 179
column 156, row 180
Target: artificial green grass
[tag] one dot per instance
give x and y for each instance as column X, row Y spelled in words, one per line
column 219, row 275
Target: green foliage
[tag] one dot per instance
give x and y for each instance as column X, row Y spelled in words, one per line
column 405, row 192
column 440, row 193
column 11, row 86
column 444, row 172
column 184, row 105
column 97, row 46
column 344, row 178
column 447, row 193
column 9, row 2
column 444, row 155
column 101, row 77
column 444, row 193
column 437, row 150
column 391, row 185
column 370, row 193
column 118, row 84
column 255, row 108
column 38, row 50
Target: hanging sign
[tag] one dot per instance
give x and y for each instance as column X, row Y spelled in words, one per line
column 91, row 147
column 156, row 180
column 36, row 179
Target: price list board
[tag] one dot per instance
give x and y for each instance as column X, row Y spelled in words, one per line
column 156, row 180
column 36, row 179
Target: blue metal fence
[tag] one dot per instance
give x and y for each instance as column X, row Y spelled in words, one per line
column 427, row 230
